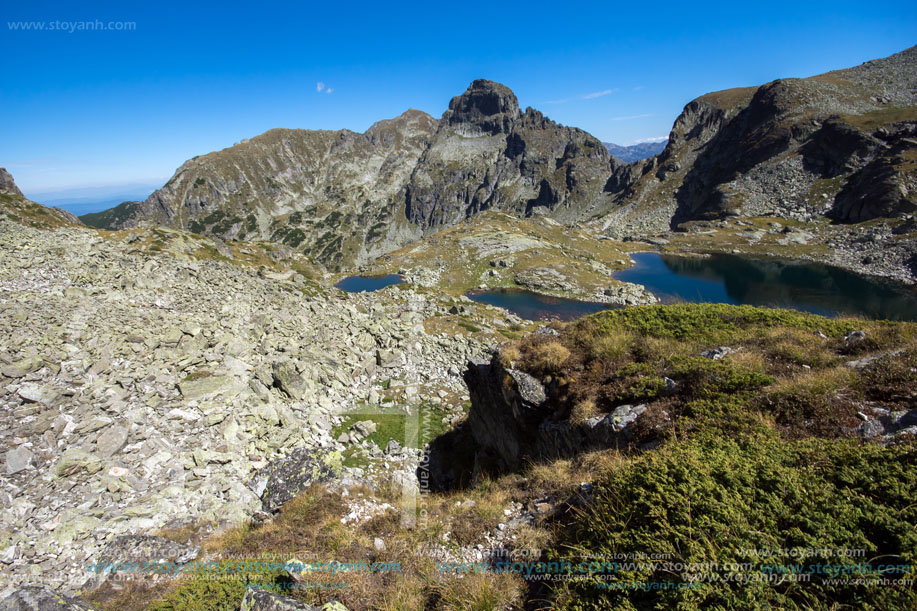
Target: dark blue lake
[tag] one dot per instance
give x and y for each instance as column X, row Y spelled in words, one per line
column 534, row 306
column 811, row 287
column 363, row 284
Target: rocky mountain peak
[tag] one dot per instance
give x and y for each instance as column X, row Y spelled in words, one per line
column 486, row 105
column 7, row 185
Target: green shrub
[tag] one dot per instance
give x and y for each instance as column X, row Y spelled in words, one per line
column 714, row 323
column 712, row 499
column 219, row 590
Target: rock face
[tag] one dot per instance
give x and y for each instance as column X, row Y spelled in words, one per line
column 487, row 154
column 7, row 185
column 344, row 197
column 334, row 194
column 840, row 144
column 14, row 205
column 512, row 418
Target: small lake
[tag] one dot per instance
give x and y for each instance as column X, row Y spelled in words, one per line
column 811, row 287
column 364, row 284
column 534, row 306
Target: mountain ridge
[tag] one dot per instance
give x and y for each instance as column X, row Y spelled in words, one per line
column 345, row 198
column 837, row 145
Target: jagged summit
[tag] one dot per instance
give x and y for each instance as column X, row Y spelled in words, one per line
column 345, row 198
column 486, row 105
column 7, row 184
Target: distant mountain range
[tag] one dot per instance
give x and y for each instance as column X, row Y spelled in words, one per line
column 84, row 200
column 635, row 152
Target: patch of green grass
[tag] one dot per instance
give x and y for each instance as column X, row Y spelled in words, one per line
column 411, row 431
column 882, row 117
column 469, row 327
column 783, row 366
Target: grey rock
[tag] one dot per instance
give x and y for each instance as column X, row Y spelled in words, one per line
column 111, row 440
column 854, row 338
column 363, row 428
column 41, row 598
column 205, row 385
column 289, row 476
column 136, row 550
column 288, row 379
column 717, row 353
column 261, row 600
column 21, row 368
column 74, row 460
column 18, row 460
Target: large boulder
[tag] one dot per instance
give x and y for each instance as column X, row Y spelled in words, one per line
column 289, row 380
column 285, row 478
column 74, row 460
column 203, row 385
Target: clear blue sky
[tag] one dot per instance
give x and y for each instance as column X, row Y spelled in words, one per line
column 110, row 107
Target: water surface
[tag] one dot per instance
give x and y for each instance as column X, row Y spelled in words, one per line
column 363, row 284
column 811, row 287
column 534, row 306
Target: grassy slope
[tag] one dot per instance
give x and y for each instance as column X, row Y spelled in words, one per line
column 111, row 218
column 571, row 252
column 27, row 212
column 756, row 452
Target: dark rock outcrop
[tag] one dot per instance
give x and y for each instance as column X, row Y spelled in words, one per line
column 262, row 600
column 486, row 107
column 512, row 419
column 7, row 184
column 283, row 479
column 488, row 155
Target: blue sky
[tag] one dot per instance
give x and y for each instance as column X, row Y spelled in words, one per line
column 86, row 108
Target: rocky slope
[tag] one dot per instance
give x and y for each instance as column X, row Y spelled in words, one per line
column 344, row 197
column 334, row 194
column 155, row 378
column 18, row 208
